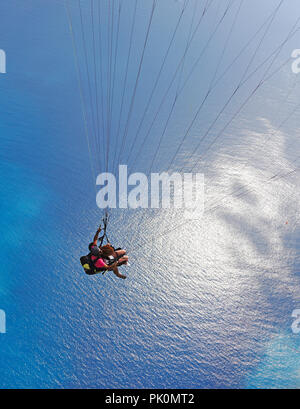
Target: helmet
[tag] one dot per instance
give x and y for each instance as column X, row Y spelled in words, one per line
column 95, row 251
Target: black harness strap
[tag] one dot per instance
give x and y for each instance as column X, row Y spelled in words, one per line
column 104, row 235
column 92, row 262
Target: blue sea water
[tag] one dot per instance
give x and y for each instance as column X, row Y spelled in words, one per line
column 207, row 306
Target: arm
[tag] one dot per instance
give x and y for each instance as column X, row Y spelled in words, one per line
column 111, row 267
column 114, row 268
column 95, row 239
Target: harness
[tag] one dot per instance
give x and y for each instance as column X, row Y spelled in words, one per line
column 93, row 262
column 89, row 265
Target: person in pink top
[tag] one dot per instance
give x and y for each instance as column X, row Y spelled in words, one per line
column 101, row 256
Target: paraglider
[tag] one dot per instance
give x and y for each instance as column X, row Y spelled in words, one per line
column 103, row 258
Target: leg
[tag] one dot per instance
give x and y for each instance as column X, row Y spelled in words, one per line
column 120, row 253
column 123, row 260
column 116, row 272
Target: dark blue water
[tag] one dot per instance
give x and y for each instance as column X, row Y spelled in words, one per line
column 208, row 305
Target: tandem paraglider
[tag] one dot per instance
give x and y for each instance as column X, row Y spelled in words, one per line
column 103, row 258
